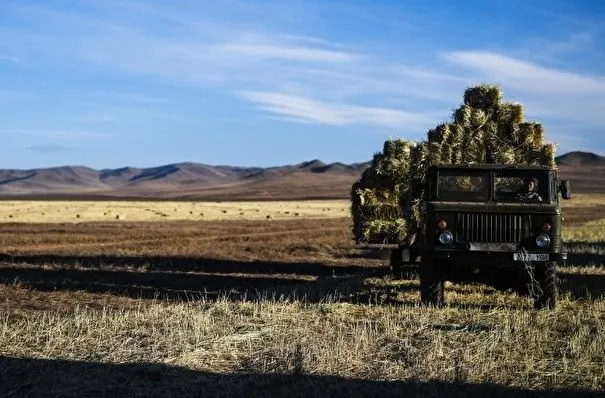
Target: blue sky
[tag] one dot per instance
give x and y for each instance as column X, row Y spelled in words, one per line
column 110, row 83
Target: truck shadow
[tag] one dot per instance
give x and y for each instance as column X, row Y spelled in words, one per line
column 582, row 286
column 184, row 264
column 176, row 278
column 585, row 253
column 182, row 278
column 67, row 378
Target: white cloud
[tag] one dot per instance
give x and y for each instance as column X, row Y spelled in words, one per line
column 526, row 75
column 55, row 134
column 296, row 108
column 546, row 92
column 284, row 52
column 293, row 76
column 48, row 149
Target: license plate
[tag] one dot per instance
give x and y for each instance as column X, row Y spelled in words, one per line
column 531, row 257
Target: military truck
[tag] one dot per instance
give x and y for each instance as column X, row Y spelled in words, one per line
column 480, row 225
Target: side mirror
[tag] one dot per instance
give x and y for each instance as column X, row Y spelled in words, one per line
column 565, row 189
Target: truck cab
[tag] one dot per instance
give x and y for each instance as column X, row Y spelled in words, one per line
column 495, row 224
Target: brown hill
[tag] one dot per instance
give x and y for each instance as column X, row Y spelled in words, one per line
column 307, row 180
column 585, row 170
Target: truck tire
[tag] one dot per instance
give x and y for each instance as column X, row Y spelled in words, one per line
column 396, row 263
column 431, row 283
column 546, row 276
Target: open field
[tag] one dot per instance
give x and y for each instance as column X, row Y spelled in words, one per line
column 279, row 307
column 91, row 211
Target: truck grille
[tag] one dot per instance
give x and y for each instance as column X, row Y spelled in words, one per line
column 491, row 228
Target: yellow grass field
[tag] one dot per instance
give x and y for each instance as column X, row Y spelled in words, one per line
column 135, row 211
column 93, row 211
column 232, row 304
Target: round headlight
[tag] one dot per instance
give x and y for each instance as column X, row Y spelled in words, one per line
column 445, row 238
column 542, row 240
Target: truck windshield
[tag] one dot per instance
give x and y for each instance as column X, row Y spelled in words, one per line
column 526, row 186
column 463, row 185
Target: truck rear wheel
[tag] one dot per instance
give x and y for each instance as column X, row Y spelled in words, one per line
column 546, row 276
column 431, row 283
column 396, row 263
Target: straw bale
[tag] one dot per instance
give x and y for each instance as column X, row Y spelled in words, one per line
column 462, row 115
column 484, row 97
column 507, row 155
column 538, row 136
column 525, row 135
column 385, row 231
column 478, row 118
column 548, row 155
column 509, row 116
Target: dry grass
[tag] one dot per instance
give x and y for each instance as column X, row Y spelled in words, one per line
column 92, row 211
column 507, row 346
column 277, row 308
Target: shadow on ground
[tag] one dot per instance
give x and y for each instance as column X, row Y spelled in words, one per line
column 41, row 378
column 585, row 253
column 184, row 264
column 202, row 278
column 176, row 278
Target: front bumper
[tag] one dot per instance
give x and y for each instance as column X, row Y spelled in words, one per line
column 481, row 253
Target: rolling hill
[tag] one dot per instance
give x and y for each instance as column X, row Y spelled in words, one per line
column 308, row 180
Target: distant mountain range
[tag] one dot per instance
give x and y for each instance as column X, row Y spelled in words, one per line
column 308, row 180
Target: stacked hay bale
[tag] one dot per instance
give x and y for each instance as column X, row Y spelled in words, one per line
column 484, row 129
column 377, row 214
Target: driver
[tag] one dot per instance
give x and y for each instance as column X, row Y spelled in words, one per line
column 529, row 191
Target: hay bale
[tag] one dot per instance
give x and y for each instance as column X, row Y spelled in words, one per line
column 478, row 118
column 434, row 153
column 538, row 136
column 484, row 97
column 462, row 115
column 509, row 116
column 385, row 231
column 548, row 155
column 375, row 197
column 507, row 155
column 525, row 135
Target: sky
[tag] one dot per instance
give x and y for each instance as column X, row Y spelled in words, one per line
column 114, row 83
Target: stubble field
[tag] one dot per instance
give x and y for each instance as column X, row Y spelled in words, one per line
column 285, row 305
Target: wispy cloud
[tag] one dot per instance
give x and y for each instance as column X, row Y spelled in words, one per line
column 295, row 75
column 55, row 134
column 49, row 149
column 302, row 109
column 526, row 75
column 96, row 118
column 287, row 52
column 10, row 58
column 546, row 92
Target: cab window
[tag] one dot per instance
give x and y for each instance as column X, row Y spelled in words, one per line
column 455, row 185
column 513, row 186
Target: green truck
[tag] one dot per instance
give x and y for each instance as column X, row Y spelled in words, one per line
column 488, row 223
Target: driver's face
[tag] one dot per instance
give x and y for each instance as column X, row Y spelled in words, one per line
column 530, row 186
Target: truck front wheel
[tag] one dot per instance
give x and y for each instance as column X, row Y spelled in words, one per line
column 546, row 277
column 431, row 283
